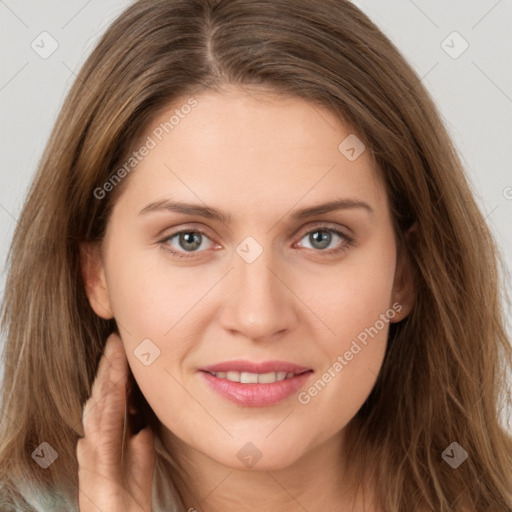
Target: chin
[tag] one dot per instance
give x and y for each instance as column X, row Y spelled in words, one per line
column 258, row 456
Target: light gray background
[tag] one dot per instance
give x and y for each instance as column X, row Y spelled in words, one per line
column 473, row 91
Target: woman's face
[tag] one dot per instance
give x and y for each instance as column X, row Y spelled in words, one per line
column 265, row 290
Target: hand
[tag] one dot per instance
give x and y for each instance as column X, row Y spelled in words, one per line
column 110, row 480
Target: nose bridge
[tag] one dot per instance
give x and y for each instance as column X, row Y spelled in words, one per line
column 259, row 304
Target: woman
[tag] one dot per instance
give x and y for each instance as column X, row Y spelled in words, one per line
column 253, row 212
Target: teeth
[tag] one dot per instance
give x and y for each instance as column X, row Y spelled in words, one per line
column 254, row 378
column 249, row 378
column 267, row 378
column 233, row 376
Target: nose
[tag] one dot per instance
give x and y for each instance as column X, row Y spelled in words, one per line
column 258, row 303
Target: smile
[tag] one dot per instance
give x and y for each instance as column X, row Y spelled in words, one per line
column 251, row 384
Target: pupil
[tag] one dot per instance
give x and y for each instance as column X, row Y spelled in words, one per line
column 323, row 240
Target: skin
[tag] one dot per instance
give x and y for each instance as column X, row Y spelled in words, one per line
column 259, row 158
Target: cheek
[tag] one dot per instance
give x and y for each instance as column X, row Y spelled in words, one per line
column 148, row 294
column 355, row 343
column 354, row 304
column 351, row 298
column 156, row 308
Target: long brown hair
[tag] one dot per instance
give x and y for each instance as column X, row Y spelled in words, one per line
column 444, row 375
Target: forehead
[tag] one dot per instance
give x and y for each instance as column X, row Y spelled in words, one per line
column 243, row 149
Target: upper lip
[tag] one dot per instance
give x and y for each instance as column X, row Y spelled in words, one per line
column 252, row 367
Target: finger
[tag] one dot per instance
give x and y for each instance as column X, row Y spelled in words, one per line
column 104, row 411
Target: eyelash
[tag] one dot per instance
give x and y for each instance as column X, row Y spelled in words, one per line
column 349, row 241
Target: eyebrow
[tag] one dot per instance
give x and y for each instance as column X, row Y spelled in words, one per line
column 212, row 213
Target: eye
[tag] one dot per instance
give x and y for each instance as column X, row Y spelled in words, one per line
column 188, row 240
column 321, row 238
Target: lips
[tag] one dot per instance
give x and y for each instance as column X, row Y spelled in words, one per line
column 255, row 384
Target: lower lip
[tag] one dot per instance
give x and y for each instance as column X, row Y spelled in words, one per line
column 256, row 395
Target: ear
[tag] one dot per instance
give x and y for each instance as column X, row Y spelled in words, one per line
column 93, row 275
column 403, row 286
